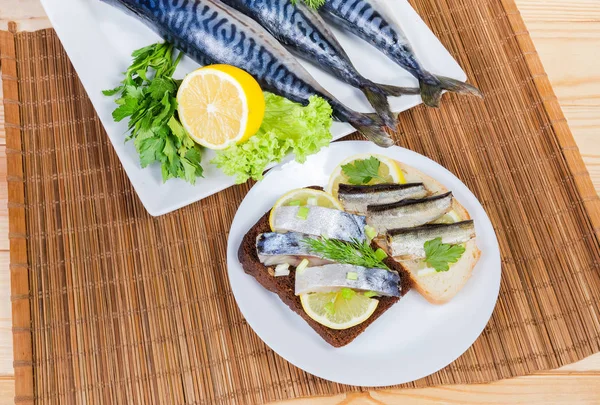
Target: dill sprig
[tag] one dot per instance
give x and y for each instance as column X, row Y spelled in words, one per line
column 355, row 252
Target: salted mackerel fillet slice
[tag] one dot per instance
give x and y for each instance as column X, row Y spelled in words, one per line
column 441, row 287
column 320, row 221
column 408, row 213
column 356, row 199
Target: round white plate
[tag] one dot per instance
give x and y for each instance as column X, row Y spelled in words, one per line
column 413, row 338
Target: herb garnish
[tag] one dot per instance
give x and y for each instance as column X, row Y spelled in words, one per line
column 362, row 171
column 148, row 96
column 315, row 4
column 287, row 127
column 355, row 252
column 439, row 255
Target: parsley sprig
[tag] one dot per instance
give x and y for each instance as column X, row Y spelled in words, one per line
column 315, row 4
column 439, row 255
column 355, row 252
column 148, row 98
column 362, row 171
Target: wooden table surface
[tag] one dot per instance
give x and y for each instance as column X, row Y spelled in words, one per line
column 567, row 36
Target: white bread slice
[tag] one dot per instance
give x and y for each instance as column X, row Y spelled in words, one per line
column 441, row 287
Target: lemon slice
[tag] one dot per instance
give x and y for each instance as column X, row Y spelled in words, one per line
column 449, row 218
column 388, row 170
column 305, row 196
column 346, row 313
column 219, row 105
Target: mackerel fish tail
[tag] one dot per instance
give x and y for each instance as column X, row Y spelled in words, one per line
column 370, row 125
column 377, row 94
column 380, row 103
column 372, row 21
column 376, row 135
column 433, row 86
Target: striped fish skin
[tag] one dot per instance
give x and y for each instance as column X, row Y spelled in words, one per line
column 211, row 30
column 356, row 198
column 408, row 213
column 320, row 221
column 302, row 30
column 409, row 242
column 369, row 20
column 333, row 277
column 275, row 248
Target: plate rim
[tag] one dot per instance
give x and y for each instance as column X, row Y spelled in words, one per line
column 467, row 343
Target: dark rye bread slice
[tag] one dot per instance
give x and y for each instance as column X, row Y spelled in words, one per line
column 284, row 287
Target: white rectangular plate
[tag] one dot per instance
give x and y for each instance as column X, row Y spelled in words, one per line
column 99, row 40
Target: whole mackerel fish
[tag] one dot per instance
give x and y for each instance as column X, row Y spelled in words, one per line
column 370, row 20
column 209, row 31
column 302, row 30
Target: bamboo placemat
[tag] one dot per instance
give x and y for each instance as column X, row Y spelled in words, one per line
column 111, row 305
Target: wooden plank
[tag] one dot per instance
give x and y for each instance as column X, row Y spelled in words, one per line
column 4, row 244
column 7, row 390
column 28, row 14
column 2, row 131
column 559, row 10
column 568, row 31
column 579, row 85
column 588, row 365
column 532, row 390
column 6, row 343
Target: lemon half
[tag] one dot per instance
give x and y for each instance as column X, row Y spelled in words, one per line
column 219, row 105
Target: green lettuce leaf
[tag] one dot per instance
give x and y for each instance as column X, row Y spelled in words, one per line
column 287, row 127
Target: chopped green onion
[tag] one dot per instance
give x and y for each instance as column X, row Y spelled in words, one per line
column 302, row 213
column 427, row 271
column 302, row 266
column 351, row 275
column 347, row 293
column 282, row 270
column 370, row 294
column 380, row 254
column 312, row 201
column 295, row 202
column 371, row 232
column 330, row 307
